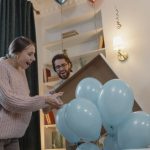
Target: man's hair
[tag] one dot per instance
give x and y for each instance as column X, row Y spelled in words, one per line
column 61, row 56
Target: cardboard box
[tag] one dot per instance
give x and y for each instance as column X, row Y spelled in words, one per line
column 97, row 68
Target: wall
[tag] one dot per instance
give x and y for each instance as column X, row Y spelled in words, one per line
column 134, row 17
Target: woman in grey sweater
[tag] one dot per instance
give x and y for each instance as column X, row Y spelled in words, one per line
column 16, row 106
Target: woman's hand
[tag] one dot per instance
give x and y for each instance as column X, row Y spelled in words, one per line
column 54, row 100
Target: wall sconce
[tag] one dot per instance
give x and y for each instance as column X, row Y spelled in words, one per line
column 118, row 45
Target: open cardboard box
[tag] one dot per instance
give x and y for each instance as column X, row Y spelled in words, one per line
column 97, row 68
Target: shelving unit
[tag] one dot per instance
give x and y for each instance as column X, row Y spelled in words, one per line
column 81, row 48
column 51, row 138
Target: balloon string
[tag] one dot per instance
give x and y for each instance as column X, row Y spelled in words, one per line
column 62, row 44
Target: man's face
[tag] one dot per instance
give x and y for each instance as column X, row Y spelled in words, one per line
column 62, row 68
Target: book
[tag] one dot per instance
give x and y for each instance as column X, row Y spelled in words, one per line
column 46, row 74
column 49, row 118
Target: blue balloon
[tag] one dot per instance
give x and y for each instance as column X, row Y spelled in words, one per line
column 110, row 143
column 115, row 102
column 83, row 118
column 88, row 146
column 111, row 130
column 61, row 2
column 89, row 88
column 135, row 131
column 138, row 149
column 63, row 128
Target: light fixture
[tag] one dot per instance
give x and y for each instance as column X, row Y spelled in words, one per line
column 118, row 45
column 118, row 42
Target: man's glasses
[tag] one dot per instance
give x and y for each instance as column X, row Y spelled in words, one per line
column 60, row 66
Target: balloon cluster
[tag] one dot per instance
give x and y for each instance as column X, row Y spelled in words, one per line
column 109, row 105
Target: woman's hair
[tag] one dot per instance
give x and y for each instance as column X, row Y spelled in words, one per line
column 18, row 45
column 61, row 56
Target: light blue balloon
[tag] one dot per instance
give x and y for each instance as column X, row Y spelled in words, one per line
column 63, row 128
column 110, row 143
column 138, row 149
column 89, row 88
column 115, row 102
column 135, row 131
column 88, row 146
column 111, row 130
column 83, row 118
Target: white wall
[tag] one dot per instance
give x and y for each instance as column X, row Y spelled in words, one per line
column 135, row 20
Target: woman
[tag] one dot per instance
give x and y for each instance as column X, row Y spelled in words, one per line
column 16, row 106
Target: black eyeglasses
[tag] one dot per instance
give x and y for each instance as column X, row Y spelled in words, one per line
column 60, row 66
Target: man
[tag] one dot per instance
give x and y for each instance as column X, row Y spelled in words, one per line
column 62, row 66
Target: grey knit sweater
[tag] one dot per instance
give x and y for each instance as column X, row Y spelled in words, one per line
column 16, row 106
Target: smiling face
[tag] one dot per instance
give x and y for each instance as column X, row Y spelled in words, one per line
column 26, row 57
column 62, row 68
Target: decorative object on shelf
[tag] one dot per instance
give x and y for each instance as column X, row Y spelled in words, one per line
column 61, row 2
column 118, row 43
column 65, row 52
column 57, row 140
column 69, row 34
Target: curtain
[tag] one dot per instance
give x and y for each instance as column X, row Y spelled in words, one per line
column 17, row 18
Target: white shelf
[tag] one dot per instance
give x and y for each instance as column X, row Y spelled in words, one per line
column 74, row 40
column 89, row 53
column 50, row 126
column 51, row 83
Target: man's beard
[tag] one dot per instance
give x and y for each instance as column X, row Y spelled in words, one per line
column 64, row 76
